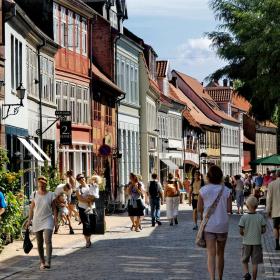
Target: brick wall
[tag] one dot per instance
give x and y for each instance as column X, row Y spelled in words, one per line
column 102, row 46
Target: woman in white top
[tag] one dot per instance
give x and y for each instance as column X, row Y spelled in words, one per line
column 86, row 195
column 216, row 230
column 43, row 214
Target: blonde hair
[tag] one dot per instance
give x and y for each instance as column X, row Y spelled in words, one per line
column 252, row 201
column 96, row 179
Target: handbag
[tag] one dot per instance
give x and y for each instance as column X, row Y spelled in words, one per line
column 27, row 244
column 200, row 240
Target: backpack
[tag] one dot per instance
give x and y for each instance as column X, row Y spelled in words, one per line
column 154, row 189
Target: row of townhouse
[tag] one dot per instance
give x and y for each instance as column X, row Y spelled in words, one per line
column 129, row 111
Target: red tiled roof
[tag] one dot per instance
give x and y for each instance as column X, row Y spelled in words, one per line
column 154, row 86
column 187, row 115
column 220, row 94
column 101, row 77
column 161, row 68
column 225, row 116
column 195, row 85
column 195, row 113
column 241, row 103
column 267, row 124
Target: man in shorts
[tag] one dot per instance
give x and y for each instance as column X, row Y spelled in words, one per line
column 273, row 207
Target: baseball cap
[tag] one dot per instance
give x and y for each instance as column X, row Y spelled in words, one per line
column 43, row 179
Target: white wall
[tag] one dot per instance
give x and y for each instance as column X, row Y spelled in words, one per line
column 21, row 119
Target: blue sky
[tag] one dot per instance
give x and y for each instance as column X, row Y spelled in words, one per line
column 176, row 30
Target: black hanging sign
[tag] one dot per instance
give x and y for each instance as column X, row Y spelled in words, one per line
column 65, row 133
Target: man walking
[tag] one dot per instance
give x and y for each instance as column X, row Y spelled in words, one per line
column 273, row 207
column 155, row 194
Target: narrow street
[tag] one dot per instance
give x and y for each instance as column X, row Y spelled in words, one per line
column 155, row 253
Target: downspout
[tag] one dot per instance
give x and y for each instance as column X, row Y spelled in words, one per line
column 40, row 92
column 91, row 81
column 184, row 146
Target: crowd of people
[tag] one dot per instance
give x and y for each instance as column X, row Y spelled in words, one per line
column 211, row 198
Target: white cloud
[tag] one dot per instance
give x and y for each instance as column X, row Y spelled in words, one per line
column 196, row 58
column 192, row 9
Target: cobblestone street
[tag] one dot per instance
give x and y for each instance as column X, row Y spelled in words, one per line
column 155, row 253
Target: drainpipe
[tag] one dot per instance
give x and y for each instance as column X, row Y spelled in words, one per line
column 91, row 81
column 40, row 92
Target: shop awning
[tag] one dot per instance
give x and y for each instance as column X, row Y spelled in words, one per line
column 170, row 164
column 38, row 148
column 31, row 150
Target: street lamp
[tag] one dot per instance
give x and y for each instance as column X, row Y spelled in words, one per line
column 20, row 94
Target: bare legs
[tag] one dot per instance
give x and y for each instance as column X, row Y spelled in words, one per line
column 215, row 252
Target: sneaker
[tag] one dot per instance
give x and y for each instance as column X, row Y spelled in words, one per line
column 71, row 231
column 247, row 276
column 176, row 221
column 195, row 227
column 159, row 223
column 153, row 224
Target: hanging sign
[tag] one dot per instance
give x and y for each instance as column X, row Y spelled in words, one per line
column 65, row 132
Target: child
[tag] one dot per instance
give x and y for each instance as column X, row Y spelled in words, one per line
column 62, row 207
column 252, row 226
column 93, row 189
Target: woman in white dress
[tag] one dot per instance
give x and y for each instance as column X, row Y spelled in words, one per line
column 43, row 215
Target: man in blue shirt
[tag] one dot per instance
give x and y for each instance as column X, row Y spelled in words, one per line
column 3, row 204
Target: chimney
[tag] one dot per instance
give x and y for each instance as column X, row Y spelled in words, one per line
column 201, row 83
column 225, row 82
column 174, row 82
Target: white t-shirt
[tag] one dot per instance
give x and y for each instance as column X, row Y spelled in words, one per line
column 86, row 191
column 218, row 222
column 43, row 213
column 60, row 189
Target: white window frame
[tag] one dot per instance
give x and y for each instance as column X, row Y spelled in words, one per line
column 84, row 36
column 58, row 93
column 70, row 30
column 72, row 94
column 55, row 23
column 78, row 33
column 63, row 26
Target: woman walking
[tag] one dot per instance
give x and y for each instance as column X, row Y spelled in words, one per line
column 86, row 195
column 73, row 202
column 43, row 216
column 239, row 192
column 172, row 195
column 136, row 206
column 216, row 229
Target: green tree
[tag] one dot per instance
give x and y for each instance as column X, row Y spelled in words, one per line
column 248, row 38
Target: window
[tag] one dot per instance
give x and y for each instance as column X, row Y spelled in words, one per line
column 70, row 30
column 131, row 93
column 127, row 86
column 122, row 76
column 78, row 34
column 136, row 93
column 63, row 29
column 108, row 117
column 16, row 62
column 79, row 105
column 96, row 111
column 73, row 102
column 118, row 72
column 58, row 95
column 55, row 23
column 65, row 103
column 84, row 36
column 86, row 106
column 51, row 80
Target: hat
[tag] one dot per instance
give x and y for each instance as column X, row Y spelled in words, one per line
column 80, row 176
column 43, row 178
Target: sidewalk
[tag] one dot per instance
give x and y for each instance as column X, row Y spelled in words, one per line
column 13, row 260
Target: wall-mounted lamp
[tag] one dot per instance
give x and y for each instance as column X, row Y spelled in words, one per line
column 20, row 94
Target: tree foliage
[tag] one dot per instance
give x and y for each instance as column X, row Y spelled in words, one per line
column 248, row 38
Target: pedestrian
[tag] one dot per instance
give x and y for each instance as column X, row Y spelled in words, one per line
column 196, row 184
column 144, row 198
column 257, row 185
column 73, row 201
column 136, row 206
column 247, row 186
column 43, row 216
column 228, row 184
column 216, row 229
column 63, row 198
column 87, row 194
column 172, row 197
column 3, row 204
column 186, row 185
column 252, row 225
column 273, row 207
column 155, row 194
column 239, row 193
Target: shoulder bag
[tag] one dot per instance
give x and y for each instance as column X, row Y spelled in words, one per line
column 200, row 240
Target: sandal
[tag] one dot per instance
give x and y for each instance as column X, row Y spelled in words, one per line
column 131, row 228
column 42, row 266
column 88, row 244
column 137, row 229
column 47, row 265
